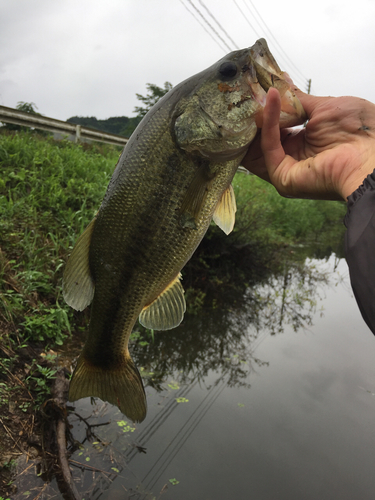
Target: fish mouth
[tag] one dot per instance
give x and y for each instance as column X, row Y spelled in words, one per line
column 266, row 73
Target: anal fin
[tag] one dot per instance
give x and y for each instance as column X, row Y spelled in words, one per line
column 224, row 215
column 78, row 285
column 167, row 310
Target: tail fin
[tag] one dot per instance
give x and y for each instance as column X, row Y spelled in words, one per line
column 121, row 386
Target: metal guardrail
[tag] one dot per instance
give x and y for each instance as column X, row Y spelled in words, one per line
column 10, row 115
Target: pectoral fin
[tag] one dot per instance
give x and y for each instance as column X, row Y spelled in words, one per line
column 78, row 285
column 167, row 310
column 195, row 196
column 224, row 215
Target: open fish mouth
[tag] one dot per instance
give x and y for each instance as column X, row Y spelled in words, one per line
column 265, row 74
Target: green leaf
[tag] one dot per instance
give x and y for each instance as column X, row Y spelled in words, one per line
column 173, row 386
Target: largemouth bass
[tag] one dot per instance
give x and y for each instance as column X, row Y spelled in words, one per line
column 173, row 177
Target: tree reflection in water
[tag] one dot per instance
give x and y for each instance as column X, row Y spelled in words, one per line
column 215, row 348
column 224, row 339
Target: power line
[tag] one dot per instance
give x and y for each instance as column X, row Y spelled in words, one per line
column 299, row 79
column 184, row 433
column 203, row 26
column 276, row 41
column 208, row 24
column 283, row 53
column 246, row 19
column 300, row 84
column 217, row 22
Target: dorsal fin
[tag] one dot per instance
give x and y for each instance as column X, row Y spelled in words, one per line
column 167, row 310
column 224, row 215
column 78, row 285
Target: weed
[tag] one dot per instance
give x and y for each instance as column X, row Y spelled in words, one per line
column 47, row 324
column 125, row 426
column 39, row 382
column 9, row 465
column 174, row 481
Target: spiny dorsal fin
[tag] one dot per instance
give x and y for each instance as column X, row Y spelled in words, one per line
column 78, row 285
column 195, row 196
column 224, row 215
column 167, row 310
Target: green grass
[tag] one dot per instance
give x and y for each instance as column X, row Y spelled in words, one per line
column 49, row 192
column 264, row 214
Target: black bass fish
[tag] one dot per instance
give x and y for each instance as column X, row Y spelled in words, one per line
column 173, row 177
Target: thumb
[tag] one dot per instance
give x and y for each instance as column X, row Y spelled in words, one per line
column 270, row 142
column 309, row 102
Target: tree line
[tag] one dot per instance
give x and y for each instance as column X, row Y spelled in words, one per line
column 123, row 125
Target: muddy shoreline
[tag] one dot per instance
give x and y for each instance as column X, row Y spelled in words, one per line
column 32, row 441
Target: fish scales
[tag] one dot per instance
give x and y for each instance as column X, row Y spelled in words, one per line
column 172, row 178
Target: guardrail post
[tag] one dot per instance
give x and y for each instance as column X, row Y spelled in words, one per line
column 78, row 133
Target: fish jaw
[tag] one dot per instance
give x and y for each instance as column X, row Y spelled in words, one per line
column 270, row 75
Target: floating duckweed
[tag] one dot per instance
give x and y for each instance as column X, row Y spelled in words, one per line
column 173, row 386
column 125, row 425
column 182, row 400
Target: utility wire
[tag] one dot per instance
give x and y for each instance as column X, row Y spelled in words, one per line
column 180, row 438
column 246, row 19
column 276, row 41
column 217, row 22
column 208, row 24
column 299, row 79
column 203, row 26
column 280, row 50
column 158, row 420
column 300, row 84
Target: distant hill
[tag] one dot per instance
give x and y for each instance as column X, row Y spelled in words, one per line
column 121, row 125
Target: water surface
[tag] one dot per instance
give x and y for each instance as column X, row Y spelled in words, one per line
column 272, row 399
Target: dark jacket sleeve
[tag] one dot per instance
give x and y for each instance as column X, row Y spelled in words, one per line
column 360, row 247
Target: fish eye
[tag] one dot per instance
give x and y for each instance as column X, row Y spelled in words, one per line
column 228, row 69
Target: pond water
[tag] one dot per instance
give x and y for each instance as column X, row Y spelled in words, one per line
column 273, row 398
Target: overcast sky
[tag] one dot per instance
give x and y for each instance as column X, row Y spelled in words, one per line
column 90, row 57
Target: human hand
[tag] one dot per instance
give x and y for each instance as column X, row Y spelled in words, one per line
column 328, row 159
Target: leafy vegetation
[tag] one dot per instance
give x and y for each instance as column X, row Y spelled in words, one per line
column 49, row 191
column 121, row 125
column 153, row 95
column 26, row 107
